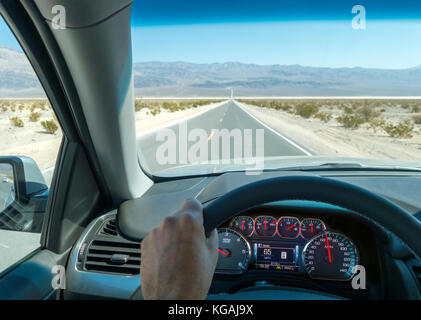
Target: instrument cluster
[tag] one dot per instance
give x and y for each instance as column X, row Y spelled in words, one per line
column 286, row 244
column 285, row 227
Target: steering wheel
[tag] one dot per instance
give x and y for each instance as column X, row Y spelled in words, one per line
column 345, row 195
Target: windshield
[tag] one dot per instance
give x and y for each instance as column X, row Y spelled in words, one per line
column 254, row 85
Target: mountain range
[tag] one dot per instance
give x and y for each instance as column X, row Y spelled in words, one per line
column 184, row 79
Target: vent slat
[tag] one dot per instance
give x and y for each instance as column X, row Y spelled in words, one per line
column 113, row 244
column 92, row 256
column 112, row 269
column 116, row 250
column 109, row 228
column 119, row 250
column 100, row 263
column 107, row 262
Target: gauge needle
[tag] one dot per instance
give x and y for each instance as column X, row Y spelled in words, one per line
column 311, row 226
column 242, row 227
column 223, row 252
column 291, row 226
column 328, row 249
column 265, row 223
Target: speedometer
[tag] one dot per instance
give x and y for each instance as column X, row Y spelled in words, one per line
column 330, row 256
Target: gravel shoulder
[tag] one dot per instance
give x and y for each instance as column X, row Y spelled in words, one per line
column 331, row 139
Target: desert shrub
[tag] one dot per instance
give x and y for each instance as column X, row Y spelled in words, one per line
column 368, row 112
column 155, row 111
column 32, row 107
column 351, row 121
column 50, row 126
column 139, row 105
column 306, row 110
column 283, row 106
column 416, row 108
column 417, row 118
column 323, row 116
column 376, row 123
column 348, row 110
column 405, row 105
column 17, row 122
column 4, row 108
column 34, row 116
column 401, row 130
column 21, row 107
column 13, row 108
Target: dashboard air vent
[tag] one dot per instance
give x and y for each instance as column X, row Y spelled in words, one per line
column 113, row 257
column 109, row 228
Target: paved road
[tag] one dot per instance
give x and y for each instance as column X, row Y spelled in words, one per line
column 227, row 116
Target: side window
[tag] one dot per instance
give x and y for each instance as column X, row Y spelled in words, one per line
column 30, row 138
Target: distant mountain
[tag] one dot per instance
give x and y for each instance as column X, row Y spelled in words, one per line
column 183, row 79
column 216, row 79
column 17, row 78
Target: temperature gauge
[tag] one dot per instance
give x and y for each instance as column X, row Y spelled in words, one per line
column 311, row 228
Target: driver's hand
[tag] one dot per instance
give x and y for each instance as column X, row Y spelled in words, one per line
column 178, row 261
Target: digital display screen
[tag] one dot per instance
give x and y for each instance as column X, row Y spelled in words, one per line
column 268, row 256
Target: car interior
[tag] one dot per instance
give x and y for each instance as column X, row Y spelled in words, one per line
column 274, row 226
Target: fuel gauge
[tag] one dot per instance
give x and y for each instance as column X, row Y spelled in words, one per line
column 243, row 224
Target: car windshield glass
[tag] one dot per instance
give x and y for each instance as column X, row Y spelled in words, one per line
column 252, row 85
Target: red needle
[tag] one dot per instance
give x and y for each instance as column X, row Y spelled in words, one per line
column 265, row 223
column 223, row 252
column 328, row 249
column 291, row 226
column 311, row 226
column 242, row 227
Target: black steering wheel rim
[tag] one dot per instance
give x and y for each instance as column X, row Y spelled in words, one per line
column 335, row 192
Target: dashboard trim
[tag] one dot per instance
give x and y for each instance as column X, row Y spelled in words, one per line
column 97, row 284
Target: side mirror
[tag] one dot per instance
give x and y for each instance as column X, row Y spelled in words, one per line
column 23, row 194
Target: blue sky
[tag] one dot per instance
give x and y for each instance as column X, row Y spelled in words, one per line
column 7, row 39
column 306, row 32
column 383, row 44
column 303, row 32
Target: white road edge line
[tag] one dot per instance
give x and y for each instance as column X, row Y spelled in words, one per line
column 219, row 104
column 274, row 131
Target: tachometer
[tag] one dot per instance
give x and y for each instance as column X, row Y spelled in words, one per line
column 265, row 226
column 244, row 225
column 311, row 227
column 234, row 252
column 330, row 256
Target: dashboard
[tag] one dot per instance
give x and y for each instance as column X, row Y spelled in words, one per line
column 279, row 244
